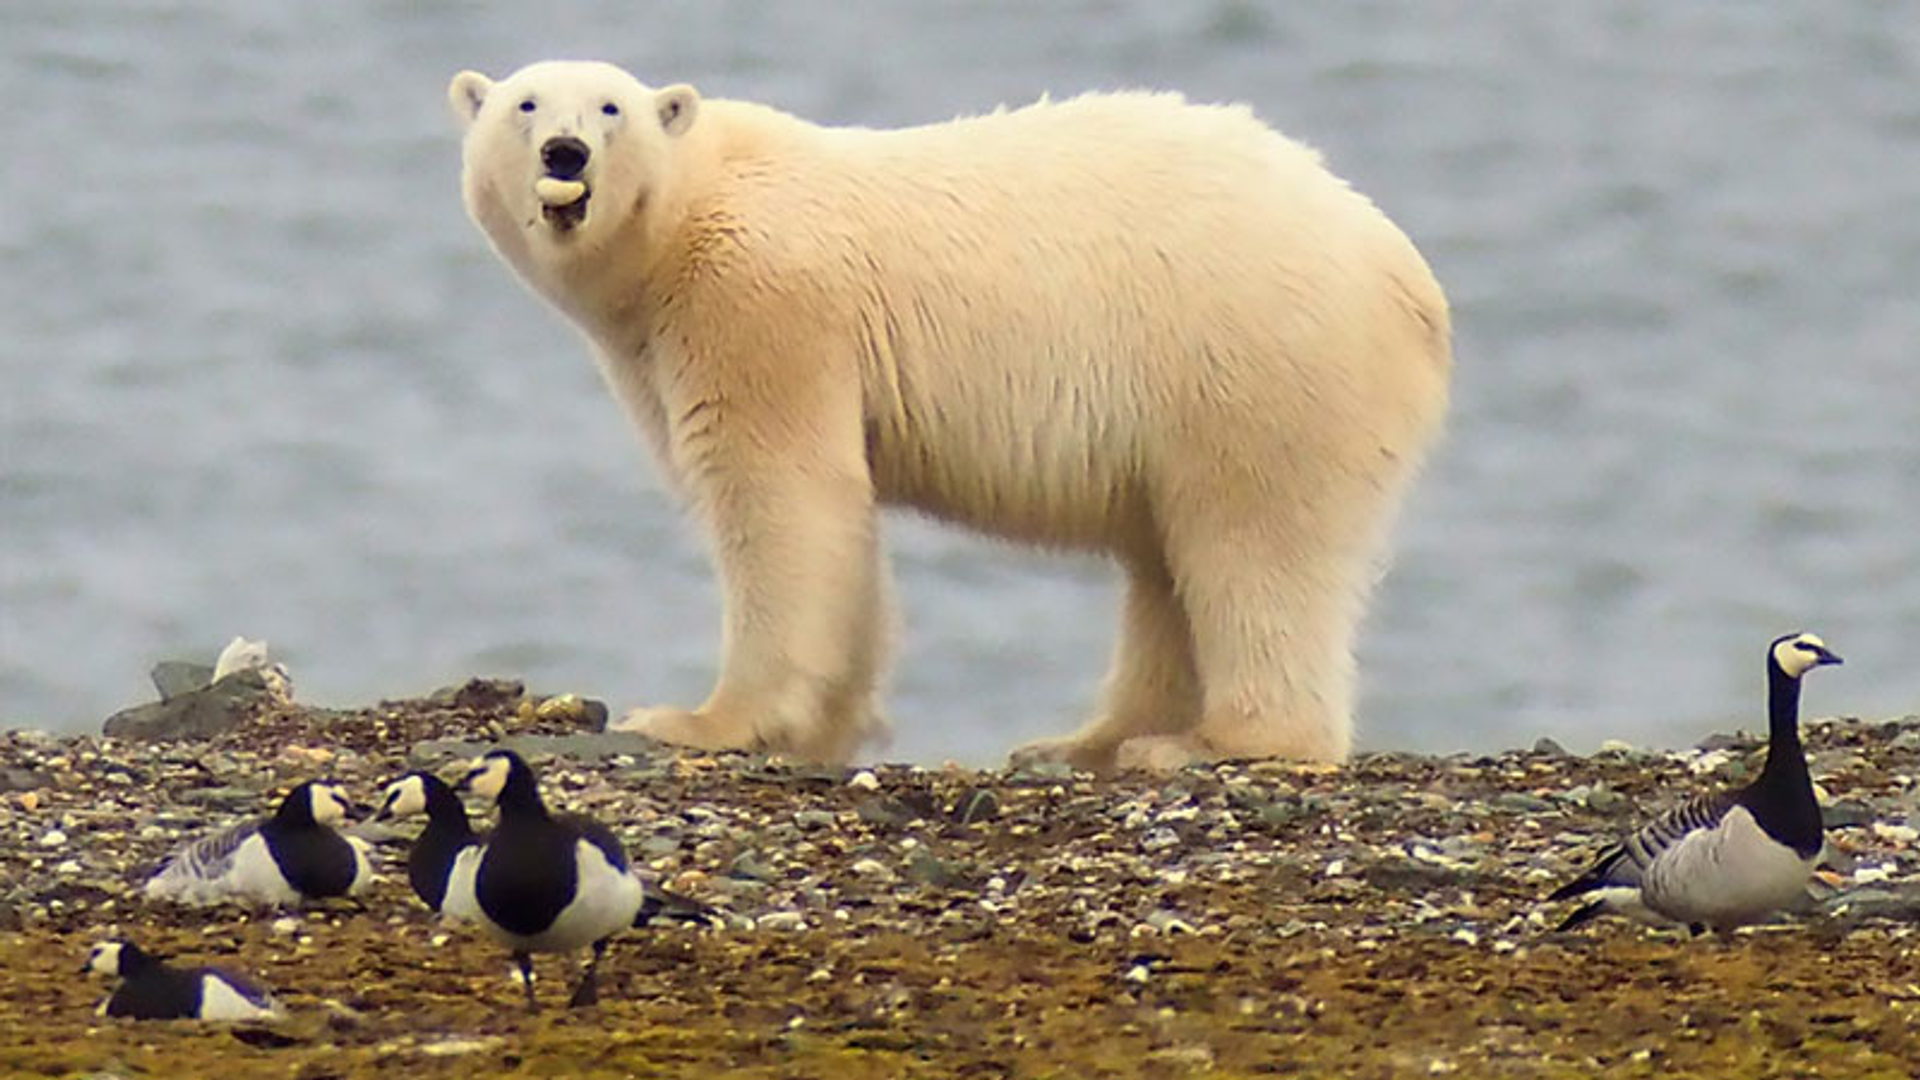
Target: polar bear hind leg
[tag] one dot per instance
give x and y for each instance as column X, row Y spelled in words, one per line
column 1153, row 688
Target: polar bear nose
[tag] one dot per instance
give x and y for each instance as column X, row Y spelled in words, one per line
column 564, row 156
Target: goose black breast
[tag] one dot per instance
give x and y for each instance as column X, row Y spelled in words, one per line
column 528, row 875
column 430, row 861
column 315, row 860
column 159, row 993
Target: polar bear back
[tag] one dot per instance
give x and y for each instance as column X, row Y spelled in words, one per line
column 1065, row 290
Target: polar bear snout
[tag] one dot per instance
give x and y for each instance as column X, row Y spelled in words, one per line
column 565, row 157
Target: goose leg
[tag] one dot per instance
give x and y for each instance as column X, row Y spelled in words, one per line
column 588, row 992
column 525, row 960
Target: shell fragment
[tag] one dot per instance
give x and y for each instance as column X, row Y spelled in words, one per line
column 556, row 192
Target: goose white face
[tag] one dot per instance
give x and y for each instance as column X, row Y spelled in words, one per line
column 487, row 775
column 329, row 804
column 1801, row 653
column 105, row 958
column 407, row 795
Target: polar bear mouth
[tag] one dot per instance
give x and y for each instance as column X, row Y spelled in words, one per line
column 563, row 203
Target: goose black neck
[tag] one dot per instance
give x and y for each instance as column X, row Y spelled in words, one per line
column 296, row 810
column 1785, row 757
column 520, row 795
column 134, row 959
column 442, row 804
column 1781, row 799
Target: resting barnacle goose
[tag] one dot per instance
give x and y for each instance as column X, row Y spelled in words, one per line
column 291, row 856
column 430, row 860
column 151, row 990
column 1730, row 857
column 545, row 882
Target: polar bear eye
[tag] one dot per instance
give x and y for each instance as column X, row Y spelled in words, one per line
column 610, row 109
column 527, row 105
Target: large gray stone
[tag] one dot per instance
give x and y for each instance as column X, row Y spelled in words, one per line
column 176, row 677
column 196, row 714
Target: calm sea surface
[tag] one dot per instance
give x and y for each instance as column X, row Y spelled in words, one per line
column 261, row 376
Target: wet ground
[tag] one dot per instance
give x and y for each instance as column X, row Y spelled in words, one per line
column 1377, row 920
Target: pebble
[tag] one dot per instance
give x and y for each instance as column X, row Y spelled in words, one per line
column 1904, row 835
column 1456, row 848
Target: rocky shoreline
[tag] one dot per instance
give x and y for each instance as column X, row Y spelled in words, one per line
column 1381, row 919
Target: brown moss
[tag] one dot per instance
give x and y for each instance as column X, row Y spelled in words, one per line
column 1020, row 1002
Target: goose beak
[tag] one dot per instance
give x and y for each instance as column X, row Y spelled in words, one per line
column 1826, row 656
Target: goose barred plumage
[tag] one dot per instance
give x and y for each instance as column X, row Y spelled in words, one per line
column 1730, row 857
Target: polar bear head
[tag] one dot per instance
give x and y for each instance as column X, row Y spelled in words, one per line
column 564, row 152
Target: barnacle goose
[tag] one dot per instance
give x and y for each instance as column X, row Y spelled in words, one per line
column 151, row 990
column 543, row 882
column 1732, row 856
column 430, row 860
column 293, row 855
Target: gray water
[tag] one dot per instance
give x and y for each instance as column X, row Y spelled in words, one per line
column 261, row 376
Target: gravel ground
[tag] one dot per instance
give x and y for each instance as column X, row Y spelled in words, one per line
column 1381, row 919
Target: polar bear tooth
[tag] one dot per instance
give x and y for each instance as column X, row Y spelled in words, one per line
column 556, row 192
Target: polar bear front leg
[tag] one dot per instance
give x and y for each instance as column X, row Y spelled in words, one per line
column 1153, row 689
column 804, row 622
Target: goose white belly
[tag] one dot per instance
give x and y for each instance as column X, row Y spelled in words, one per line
column 605, row 901
column 1727, row 875
column 220, row 1001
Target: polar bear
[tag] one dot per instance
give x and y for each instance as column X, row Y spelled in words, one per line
column 1120, row 322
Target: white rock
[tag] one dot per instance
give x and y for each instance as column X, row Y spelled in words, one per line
column 240, row 655
column 864, row 780
column 1899, row 834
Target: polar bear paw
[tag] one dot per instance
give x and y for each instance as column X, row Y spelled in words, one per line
column 1161, row 753
column 1066, row 750
column 686, row 727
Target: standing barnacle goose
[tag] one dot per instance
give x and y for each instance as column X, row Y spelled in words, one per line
column 542, row 882
column 448, row 833
column 1730, row 857
column 294, row 855
column 150, row 990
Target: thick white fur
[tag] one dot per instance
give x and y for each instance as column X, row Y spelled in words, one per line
column 1121, row 323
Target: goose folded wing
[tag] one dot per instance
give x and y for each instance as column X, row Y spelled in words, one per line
column 1623, row 864
column 593, row 832
column 203, row 860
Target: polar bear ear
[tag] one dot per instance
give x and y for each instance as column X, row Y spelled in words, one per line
column 466, row 94
column 676, row 105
